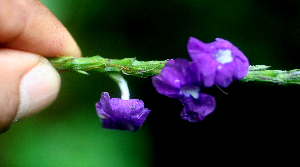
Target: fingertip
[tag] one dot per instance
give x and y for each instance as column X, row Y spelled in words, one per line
column 38, row 89
column 28, row 84
column 32, row 27
column 71, row 49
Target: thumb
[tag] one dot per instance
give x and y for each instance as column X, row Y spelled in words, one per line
column 28, row 84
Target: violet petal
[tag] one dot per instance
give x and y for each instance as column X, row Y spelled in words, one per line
column 197, row 109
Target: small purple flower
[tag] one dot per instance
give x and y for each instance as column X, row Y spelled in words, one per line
column 179, row 79
column 218, row 62
column 121, row 114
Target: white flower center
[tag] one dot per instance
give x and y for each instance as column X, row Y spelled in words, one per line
column 224, row 56
column 188, row 91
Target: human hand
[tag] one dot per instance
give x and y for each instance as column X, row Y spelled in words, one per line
column 28, row 82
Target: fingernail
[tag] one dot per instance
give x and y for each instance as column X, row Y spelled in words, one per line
column 38, row 89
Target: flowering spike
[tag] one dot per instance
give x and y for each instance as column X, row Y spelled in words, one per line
column 143, row 69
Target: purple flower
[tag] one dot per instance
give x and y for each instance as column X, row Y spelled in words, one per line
column 218, row 62
column 121, row 114
column 179, row 79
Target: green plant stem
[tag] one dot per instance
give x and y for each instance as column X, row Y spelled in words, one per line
column 260, row 73
column 131, row 66
column 128, row 66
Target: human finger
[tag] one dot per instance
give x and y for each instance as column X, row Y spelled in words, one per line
column 28, row 84
column 30, row 26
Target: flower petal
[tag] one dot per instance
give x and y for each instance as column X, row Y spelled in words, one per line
column 164, row 88
column 197, row 109
column 179, row 72
column 194, row 46
column 104, row 105
column 224, row 75
column 242, row 66
column 207, row 67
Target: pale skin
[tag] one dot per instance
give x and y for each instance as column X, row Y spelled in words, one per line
column 29, row 32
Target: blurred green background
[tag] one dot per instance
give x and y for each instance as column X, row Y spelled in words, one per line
column 252, row 117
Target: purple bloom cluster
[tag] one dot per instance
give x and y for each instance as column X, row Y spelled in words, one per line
column 217, row 63
column 121, row 114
